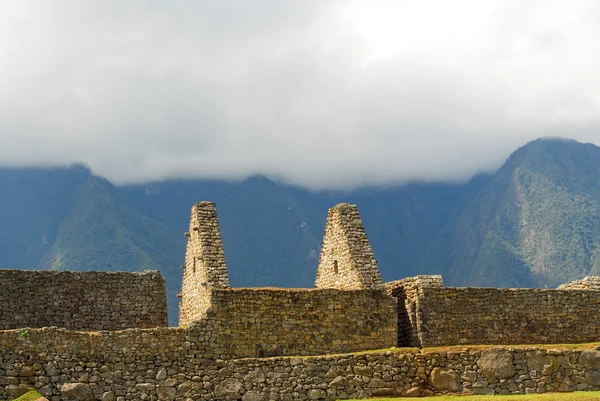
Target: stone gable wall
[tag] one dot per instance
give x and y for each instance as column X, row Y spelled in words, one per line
column 347, row 261
column 172, row 364
column 204, row 266
column 82, row 300
column 586, row 283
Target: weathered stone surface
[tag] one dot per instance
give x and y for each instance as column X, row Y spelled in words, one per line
column 376, row 383
column 482, row 391
column 363, row 370
column 593, row 378
column 317, row 394
column 384, row 392
column 381, row 374
column 108, row 396
column 590, row 359
column 15, row 391
column 496, row 364
column 542, row 363
column 162, row 374
column 255, row 376
column 492, row 315
column 339, row 381
column 413, row 392
column 76, row 391
column 254, row 396
column 145, row 386
column 587, row 283
column 51, row 370
column 27, row 371
column 166, row 393
column 444, row 380
column 228, row 387
column 82, row 300
column 347, row 261
column 205, row 265
column 292, row 321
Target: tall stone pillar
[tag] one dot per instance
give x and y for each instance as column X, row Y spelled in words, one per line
column 204, row 263
column 347, row 261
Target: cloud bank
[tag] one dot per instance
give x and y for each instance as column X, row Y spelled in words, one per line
column 322, row 94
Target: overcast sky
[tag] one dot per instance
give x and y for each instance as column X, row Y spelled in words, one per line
column 323, row 94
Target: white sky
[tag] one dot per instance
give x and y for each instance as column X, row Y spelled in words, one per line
column 323, row 94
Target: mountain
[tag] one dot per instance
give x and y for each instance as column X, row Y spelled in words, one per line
column 535, row 222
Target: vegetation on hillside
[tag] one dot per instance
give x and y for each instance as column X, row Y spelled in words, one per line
column 535, row 222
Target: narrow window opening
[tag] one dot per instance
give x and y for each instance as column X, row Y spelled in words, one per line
column 335, row 266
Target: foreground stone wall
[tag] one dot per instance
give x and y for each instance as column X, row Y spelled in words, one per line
column 276, row 321
column 169, row 364
column 450, row 316
column 82, row 300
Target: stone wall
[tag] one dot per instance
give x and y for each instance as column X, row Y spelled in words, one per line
column 82, row 300
column 204, row 266
column 439, row 315
column 347, row 261
column 169, row 364
column 247, row 322
column 406, row 294
column 586, row 283
column 276, row 321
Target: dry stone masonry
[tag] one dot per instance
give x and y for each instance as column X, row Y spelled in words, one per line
column 430, row 314
column 82, row 300
column 406, row 292
column 586, row 283
column 204, row 266
column 249, row 322
column 171, row 364
column 276, row 321
column 347, row 261
column 258, row 344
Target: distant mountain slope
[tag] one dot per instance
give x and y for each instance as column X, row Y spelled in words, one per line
column 535, row 222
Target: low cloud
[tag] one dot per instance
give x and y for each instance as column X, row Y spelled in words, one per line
column 323, row 94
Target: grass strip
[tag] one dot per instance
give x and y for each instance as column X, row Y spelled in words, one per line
column 575, row 396
column 29, row 396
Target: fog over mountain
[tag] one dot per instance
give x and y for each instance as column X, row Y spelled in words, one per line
column 322, row 94
column 533, row 223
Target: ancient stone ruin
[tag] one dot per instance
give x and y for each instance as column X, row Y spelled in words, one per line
column 82, row 300
column 104, row 336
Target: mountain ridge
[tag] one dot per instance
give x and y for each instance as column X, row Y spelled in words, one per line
column 534, row 222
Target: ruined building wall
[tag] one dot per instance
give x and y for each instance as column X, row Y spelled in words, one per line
column 440, row 315
column 347, row 261
column 277, row 321
column 248, row 322
column 82, row 300
column 586, row 283
column 174, row 364
column 406, row 294
column 204, row 266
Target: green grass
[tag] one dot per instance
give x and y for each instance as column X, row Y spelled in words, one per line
column 457, row 348
column 29, row 396
column 577, row 396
